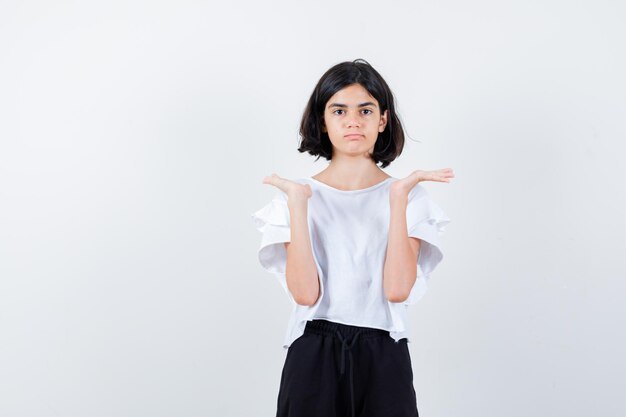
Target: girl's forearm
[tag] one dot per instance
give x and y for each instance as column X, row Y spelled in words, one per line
column 301, row 270
column 400, row 269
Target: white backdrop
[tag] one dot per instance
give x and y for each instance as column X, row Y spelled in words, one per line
column 133, row 140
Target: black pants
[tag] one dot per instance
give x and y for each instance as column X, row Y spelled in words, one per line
column 337, row 370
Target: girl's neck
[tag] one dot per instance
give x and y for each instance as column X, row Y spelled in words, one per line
column 351, row 176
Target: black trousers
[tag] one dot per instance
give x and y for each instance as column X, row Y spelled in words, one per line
column 337, row 370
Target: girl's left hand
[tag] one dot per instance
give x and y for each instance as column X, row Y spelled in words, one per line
column 405, row 185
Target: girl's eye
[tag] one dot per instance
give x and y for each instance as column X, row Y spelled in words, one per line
column 367, row 110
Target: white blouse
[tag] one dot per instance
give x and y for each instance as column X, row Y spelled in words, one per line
column 349, row 231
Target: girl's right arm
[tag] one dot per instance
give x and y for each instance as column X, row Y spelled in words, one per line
column 301, row 270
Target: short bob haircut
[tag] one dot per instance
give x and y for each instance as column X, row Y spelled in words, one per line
column 389, row 143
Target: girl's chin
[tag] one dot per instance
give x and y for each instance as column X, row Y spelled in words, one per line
column 354, row 150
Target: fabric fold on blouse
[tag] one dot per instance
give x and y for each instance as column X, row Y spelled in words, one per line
column 427, row 222
column 272, row 220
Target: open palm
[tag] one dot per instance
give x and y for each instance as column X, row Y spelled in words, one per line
column 438, row 175
column 291, row 188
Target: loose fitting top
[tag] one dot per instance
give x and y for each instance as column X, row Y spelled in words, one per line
column 349, row 232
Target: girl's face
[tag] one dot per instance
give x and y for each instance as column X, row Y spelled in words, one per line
column 353, row 120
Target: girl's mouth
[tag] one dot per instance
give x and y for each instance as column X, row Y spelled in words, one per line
column 353, row 136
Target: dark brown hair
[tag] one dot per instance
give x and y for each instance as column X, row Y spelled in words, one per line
column 389, row 143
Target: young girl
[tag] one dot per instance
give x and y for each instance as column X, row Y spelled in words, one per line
column 352, row 247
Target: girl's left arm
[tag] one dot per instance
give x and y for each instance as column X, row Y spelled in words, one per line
column 400, row 270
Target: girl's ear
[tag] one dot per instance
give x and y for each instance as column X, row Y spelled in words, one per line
column 383, row 121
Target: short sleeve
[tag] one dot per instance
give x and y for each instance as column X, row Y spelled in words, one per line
column 427, row 222
column 272, row 220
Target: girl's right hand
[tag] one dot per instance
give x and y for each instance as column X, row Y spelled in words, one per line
column 294, row 190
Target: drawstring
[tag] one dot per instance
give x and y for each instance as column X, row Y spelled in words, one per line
column 345, row 346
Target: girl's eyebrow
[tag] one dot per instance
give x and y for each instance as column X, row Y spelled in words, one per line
column 369, row 103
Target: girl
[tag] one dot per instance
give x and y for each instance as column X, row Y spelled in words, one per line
column 352, row 247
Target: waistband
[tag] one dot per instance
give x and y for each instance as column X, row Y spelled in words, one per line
column 326, row 327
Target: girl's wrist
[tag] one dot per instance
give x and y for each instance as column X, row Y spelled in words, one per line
column 398, row 194
column 297, row 202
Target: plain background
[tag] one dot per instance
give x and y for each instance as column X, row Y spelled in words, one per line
column 134, row 139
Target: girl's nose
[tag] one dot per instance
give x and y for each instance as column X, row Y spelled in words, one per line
column 353, row 121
